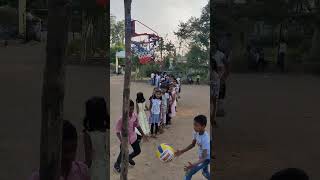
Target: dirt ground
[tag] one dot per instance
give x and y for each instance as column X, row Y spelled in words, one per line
column 272, row 123
column 194, row 101
column 21, row 82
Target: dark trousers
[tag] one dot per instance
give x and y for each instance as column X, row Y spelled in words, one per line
column 154, row 128
column 281, row 57
column 198, row 81
column 222, row 91
column 136, row 151
column 261, row 63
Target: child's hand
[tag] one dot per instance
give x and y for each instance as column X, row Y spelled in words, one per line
column 178, row 153
column 188, row 167
column 145, row 138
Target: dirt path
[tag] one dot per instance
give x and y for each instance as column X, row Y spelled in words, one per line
column 195, row 99
column 21, row 77
column 272, row 123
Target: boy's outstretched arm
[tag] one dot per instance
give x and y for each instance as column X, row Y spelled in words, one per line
column 192, row 145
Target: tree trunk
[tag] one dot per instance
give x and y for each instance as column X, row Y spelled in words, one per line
column 126, row 92
column 59, row 14
column 213, row 100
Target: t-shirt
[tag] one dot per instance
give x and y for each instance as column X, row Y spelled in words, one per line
column 79, row 171
column 156, row 105
column 203, row 142
column 165, row 100
column 282, row 48
column 198, row 76
column 132, row 124
column 152, row 75
column 178, row 80
column 220, row 59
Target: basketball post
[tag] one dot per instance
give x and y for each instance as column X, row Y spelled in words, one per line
column 22, row 19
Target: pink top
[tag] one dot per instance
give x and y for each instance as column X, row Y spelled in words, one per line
column 79, row 171
column 132, row 124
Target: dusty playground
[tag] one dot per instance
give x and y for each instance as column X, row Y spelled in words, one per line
column 21, row 78
column 194, row 101
column 272, row 123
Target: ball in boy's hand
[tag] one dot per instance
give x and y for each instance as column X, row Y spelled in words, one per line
column 165, row 152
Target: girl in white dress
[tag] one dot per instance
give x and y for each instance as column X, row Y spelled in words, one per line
column 95, row 125
column 142, row 116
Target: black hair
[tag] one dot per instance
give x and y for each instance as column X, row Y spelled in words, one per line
column 131, row 103
column 290, row 174
column 140, row 98
column 155, row 97
column 201, row 119
column 69, row 132
column 97, row 118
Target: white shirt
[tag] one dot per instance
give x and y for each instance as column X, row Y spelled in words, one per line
column 203, row 142
column 152, row 75
column 178, row 80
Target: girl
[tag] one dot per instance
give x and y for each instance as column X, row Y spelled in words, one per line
column 142, row 116
column 155, row 111
column 173, row 103
column 95, row 125
column 71, row 169
column 164, row 107
column 168, row 95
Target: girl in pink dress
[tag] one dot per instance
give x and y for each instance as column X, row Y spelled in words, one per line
column 71, row 169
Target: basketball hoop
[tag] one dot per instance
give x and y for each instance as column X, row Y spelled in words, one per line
column 144, row 45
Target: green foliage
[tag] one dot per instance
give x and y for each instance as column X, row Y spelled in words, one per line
column 147, row 69
column 197, row 30
column 117, row 31
column 196, row 56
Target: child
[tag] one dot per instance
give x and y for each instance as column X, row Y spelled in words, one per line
column 142, row 116
column 173, row 101
column 132, row 136
column 95, row 125
column 169, row 100
column 164, row 105
column 202, row 139
column 70, row 168
column 155, row 112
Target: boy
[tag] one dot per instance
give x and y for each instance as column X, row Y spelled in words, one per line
column 202, row 139
column 198, row 79
column 132, row 136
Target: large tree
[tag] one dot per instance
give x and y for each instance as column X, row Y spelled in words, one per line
column 196, row 32
column 59, row 14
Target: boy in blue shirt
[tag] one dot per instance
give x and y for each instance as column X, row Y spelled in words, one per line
column 202, row 139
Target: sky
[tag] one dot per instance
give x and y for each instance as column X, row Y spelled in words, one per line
column 161, row 15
